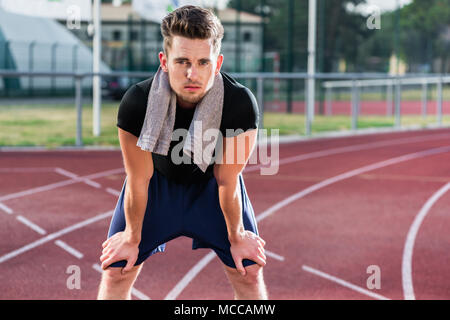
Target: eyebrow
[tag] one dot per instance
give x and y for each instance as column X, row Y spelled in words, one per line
column 179, row 59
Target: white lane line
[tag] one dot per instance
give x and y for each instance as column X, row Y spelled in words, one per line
column 25, row 170
column 248, row 169
column 5, row 208
column 104, row 173
column 54, row 235
column 284, row 161
column 274, row 255
column 347, row 175
column 66, row 173
column 97, row 267
column 191, row 274
column 138, row 294
column 58, row 185
column 407, row 282
column 200, row 265
column 352, row 148
column 31, row 225
column 77, row 177
column 344, row 283
column 69, row 249
column 113, row 191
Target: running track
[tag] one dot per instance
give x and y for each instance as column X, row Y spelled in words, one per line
column 367, row 107
column 336, row 207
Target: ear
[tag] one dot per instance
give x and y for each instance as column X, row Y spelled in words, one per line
column 163, row 61
column 219, row 64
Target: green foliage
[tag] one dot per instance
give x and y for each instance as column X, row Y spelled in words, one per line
column 423, row 32
column 339, row 32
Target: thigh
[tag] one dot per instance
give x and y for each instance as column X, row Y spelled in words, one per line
column 206, row 223
column 162, row 220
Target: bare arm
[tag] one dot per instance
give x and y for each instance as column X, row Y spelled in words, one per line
column 244, row 244
column 139, row 169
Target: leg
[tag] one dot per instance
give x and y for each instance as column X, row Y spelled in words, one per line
column 117, row 286
column 248, row 287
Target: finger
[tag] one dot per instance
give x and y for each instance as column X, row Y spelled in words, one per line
column 260, row 261
column 107, row 250
column 103, row 257
column 107, row 263
column 262, row 240
column 129, row 266
column 239, row 267
column 261, row 244
column 262, row 253
column 105, row 243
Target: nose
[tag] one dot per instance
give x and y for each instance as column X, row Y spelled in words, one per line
column 191, row 73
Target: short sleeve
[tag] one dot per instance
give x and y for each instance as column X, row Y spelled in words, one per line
column 242, row 113
column 132, row 108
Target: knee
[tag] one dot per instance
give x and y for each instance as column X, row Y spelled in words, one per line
column 113, row 277
column 253, row 276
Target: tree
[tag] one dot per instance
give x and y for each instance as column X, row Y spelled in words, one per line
column 336, row 26
column 425, row 31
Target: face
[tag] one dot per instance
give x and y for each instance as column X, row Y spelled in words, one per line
column 191, row 65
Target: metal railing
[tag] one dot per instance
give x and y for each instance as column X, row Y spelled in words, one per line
column 352, row 80
column 393, row 98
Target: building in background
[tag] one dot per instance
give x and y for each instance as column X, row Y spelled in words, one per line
column 40, row 44
column 132, row 43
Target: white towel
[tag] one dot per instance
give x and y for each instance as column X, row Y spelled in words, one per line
column 156, row 133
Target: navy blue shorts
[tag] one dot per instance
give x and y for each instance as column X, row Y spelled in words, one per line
column 191, row 210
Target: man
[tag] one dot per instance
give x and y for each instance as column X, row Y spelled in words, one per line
column 162, row 200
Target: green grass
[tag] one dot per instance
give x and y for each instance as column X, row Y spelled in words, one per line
column 55, row 126
column 295, row 123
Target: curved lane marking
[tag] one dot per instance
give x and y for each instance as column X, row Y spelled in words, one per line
column 408, row 290
column 192, row 273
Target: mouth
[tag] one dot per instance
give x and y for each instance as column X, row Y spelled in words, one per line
column 192, row 88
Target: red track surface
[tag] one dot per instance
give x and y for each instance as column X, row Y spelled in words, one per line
column 368, row 108
column 340, row 226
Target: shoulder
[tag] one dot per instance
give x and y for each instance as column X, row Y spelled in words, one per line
column 136, row 93
column 132, row 108
column 236, row 92
column 240, row 108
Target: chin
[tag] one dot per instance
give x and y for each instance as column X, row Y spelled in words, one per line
column 192, row 99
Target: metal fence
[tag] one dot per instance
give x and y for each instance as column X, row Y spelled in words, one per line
column 329, row 84
column 393, row 86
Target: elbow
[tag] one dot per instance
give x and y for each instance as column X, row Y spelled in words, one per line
column 138, row 184
column 225, row 177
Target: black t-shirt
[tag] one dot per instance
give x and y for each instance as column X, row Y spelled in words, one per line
column 240, row 111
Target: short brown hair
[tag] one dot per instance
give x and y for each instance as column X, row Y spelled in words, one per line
column 192, row 22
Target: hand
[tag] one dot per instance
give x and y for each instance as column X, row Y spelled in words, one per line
column 247, row 245
column 118, row 248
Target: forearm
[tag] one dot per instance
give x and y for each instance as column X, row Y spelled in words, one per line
column 231, row 205
column 135, row 203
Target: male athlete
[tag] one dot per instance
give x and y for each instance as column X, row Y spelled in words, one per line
column 161, row 200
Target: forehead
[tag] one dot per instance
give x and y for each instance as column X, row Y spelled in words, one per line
column 191, row 48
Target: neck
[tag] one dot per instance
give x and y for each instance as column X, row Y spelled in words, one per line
column 186, row 105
